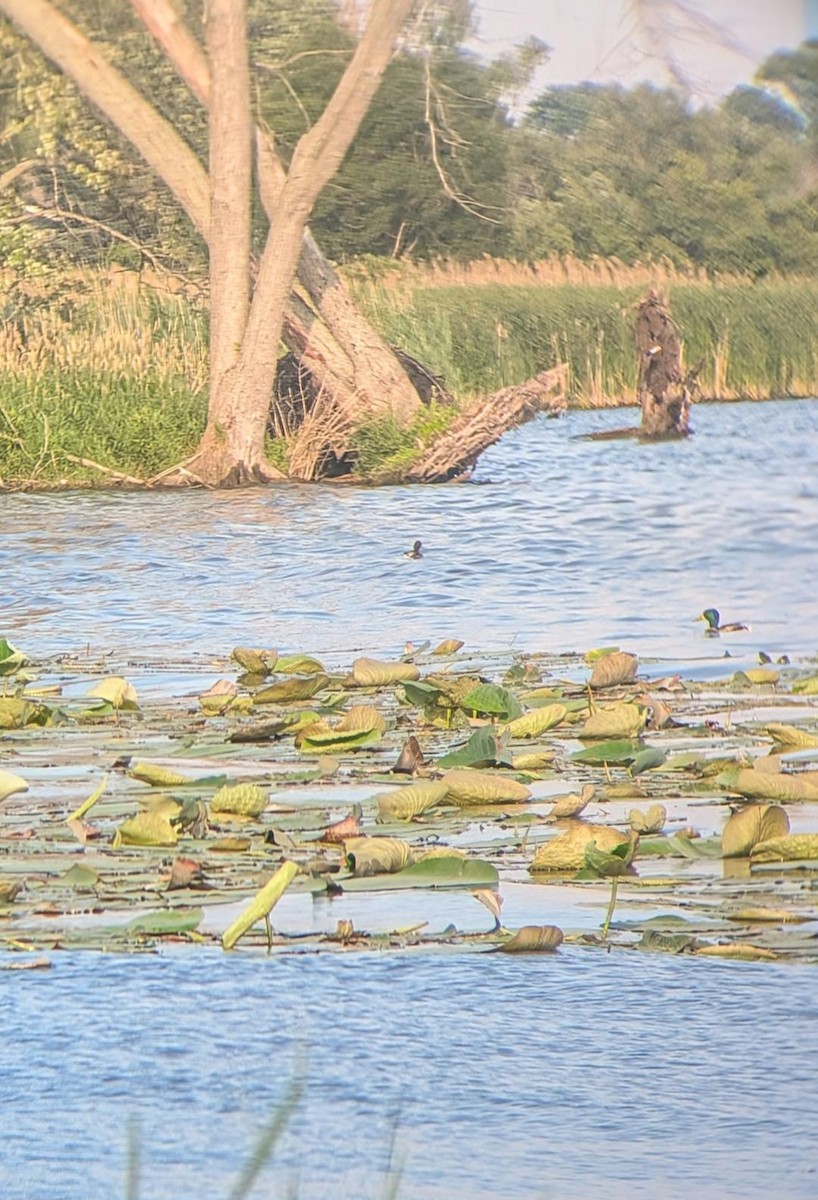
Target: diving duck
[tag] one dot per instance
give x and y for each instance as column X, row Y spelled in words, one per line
column 711, row 616
column 415, row 552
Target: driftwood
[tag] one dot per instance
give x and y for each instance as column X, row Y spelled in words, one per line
column 455, row 451
column 663, row 390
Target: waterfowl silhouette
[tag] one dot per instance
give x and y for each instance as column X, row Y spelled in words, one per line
column 711, row 616
column 415, row 552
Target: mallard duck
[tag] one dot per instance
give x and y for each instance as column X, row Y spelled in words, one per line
column 415, row 552
column 711, row 616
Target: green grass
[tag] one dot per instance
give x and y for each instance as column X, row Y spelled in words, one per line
column 755, row 341
column 136, row 425
column 120, row 378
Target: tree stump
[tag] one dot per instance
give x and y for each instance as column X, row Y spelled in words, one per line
column 663, row 391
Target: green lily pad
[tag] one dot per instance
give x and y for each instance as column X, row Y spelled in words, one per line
column 430, row 873
column 170, row 921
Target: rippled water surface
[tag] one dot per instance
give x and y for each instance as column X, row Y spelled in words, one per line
column 560, row 543
column 570, row 1076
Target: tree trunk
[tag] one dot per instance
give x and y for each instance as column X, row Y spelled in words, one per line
column 347, row 356
column 663, row 391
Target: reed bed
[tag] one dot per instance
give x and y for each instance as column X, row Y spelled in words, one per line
column 110, row 370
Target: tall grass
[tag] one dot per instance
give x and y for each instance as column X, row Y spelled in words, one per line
column 105, row 371
column 753, row 340
column 115, row 372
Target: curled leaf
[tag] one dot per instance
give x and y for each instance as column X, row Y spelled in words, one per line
column 145, row 829
column 790, row 847
column 567, row 852
column 255, row 662
column 371, row 672
column 362, row 717
column 404, row 803
column 652, row 821
column 615, row 721
column 116, row 691
column 217, row 699
column 155, row 775
column 532, row 939
column 475, row 787
column 753, row 823
column 242, row 799
column 261, row 905
column 377, row 855
column 538, row 721
column 614, row 669
column 10, row 784
column 289, row 690
column 572, row 804
column 450, row 646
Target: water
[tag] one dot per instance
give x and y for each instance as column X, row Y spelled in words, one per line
column 569, row 1076
column 560, row 544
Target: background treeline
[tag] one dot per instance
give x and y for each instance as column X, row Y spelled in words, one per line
column 440, row 168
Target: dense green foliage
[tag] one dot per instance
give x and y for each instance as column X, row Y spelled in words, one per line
column 438, row 169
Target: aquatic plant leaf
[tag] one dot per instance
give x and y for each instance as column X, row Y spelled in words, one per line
column 753, row 914
column 156, row 776
column 241, row 799
column 261, row 905
column 229, row 845
column 647, row 760
column 491, row 700
column 168, row 922
column 299, row 664
column 611, row 862
column 474, row 787
column 572, row 804
column 567, row 851
column 11, row 784
column 538, row 721
column 789, row 847
column 288, row 690
column 769, row 785
column 421, row 693
column 539, row 760
column 652, row 821
column 792, row 735
column 9, row 889
column 80, row 878
column 761, row 675
column 483, row 749
column 533, row 939
column 410, row 757
column 186, row 873
column 615, row 721
column 618, row 751
column 362, row 717
column 145, row 829
column 88, row 804
column 450, row 646
column 614, row 669
column 217, row 699
column 444, row 872
column 592, row 656
column 666, row 943
column 806, row 687
column 16, row 713
column 115, row 691
column 321, row 737
column 741, row 950
column 255, row 662
column 341, row 831
column 11, row 659
column 751, row 824
column 404, row 803
column 377, row 855
column 371, row 672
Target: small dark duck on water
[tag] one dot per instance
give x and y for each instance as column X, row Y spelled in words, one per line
column 415, row 552
column 711, row 616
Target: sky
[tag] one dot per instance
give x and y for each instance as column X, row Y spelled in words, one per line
column 601, row 40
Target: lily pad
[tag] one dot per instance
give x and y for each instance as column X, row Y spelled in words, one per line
column 475, row 787
column 441, row 872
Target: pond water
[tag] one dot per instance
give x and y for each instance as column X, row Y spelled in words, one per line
column 567, row 1076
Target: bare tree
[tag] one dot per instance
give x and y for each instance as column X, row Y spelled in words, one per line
column 245, row 329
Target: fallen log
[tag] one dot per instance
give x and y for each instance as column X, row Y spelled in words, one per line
column 456, row 450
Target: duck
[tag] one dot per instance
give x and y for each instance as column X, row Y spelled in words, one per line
column 415, row 552
column 711, row 616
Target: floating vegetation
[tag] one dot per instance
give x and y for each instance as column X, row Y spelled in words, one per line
column 126, row 821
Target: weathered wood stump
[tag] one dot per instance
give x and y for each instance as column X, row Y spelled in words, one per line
column 663, row 390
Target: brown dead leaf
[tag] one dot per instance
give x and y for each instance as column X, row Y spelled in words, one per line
column 340, row 831
column 187, row 873
column 410, row 758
